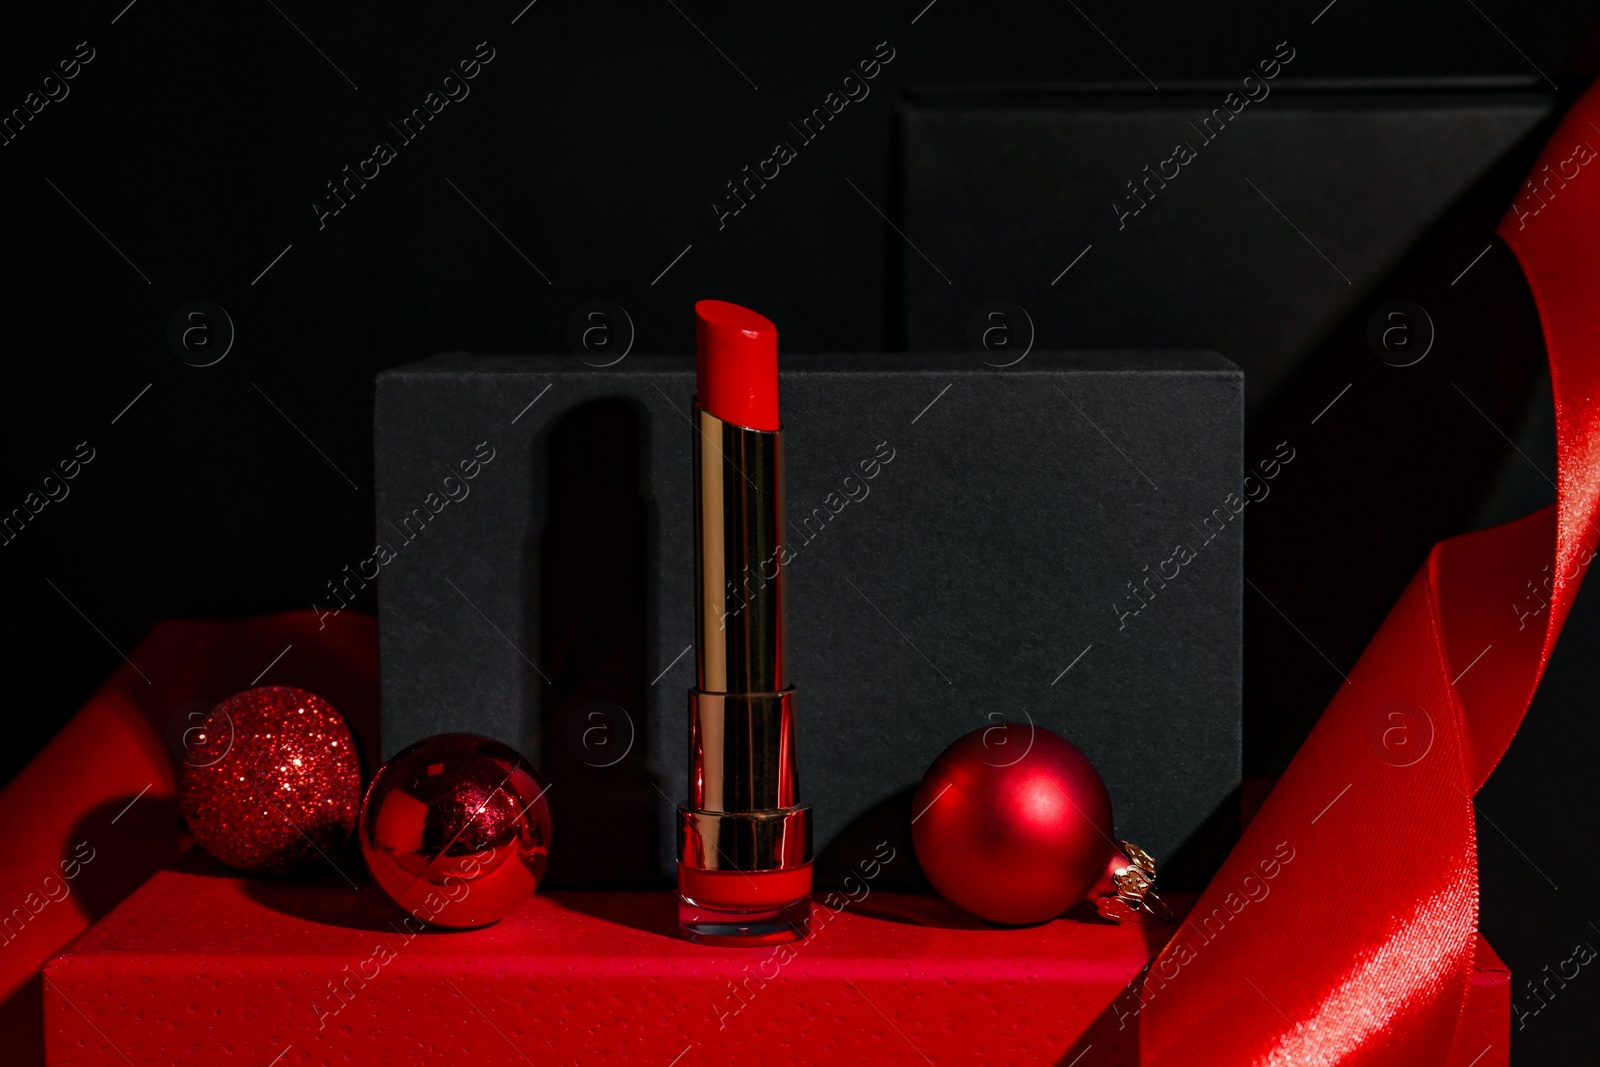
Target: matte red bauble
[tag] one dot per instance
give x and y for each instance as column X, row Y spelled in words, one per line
column 271, row 780
column 1013, row 824
column 456, row 829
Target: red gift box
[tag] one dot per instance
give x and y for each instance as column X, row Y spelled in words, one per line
column 201, row 966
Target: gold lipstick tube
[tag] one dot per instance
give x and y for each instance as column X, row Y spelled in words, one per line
column 744, row 842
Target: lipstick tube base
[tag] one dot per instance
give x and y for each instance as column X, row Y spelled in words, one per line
column 733, row 908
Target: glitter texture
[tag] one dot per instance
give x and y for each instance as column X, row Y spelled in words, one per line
column 285, row 790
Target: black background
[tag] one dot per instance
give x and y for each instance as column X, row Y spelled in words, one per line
column 198, row 138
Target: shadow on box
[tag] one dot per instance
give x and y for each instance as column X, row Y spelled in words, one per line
column 587, row 574
column 589, row 571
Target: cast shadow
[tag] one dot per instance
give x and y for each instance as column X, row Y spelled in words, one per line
column 116, row 847
column 853, row 850
column 887, row 824
column 110, row 852
column 1114, row 1035
column 930, row 909
column 22, row 1021
column 591, row 568
column 320, row 894
column 1401, row 466
column 337, row 892
column 652, row 913
column 327, row 899
column 1194, row 863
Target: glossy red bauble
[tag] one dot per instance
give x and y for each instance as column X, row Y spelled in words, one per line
column 1013, row 824
column 271, row 780
column 456, row 829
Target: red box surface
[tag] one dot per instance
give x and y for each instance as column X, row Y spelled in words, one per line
column 198, row 968
column 213, row 968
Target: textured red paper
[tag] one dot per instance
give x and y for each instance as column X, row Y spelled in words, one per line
column 207, row 968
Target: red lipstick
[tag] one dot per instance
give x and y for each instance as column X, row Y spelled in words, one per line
column 744, row 841
column 736, row 364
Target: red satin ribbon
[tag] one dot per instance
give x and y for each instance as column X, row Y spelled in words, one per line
column 1358, row 948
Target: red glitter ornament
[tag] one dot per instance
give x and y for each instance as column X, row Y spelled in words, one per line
column 271, row 780
column 1014, row 824
column 456, row 829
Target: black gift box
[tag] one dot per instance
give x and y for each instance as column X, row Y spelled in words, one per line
column 1289, row 203
column 971, row 545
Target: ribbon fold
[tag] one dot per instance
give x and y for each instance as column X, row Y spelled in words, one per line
column 1358, row 948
